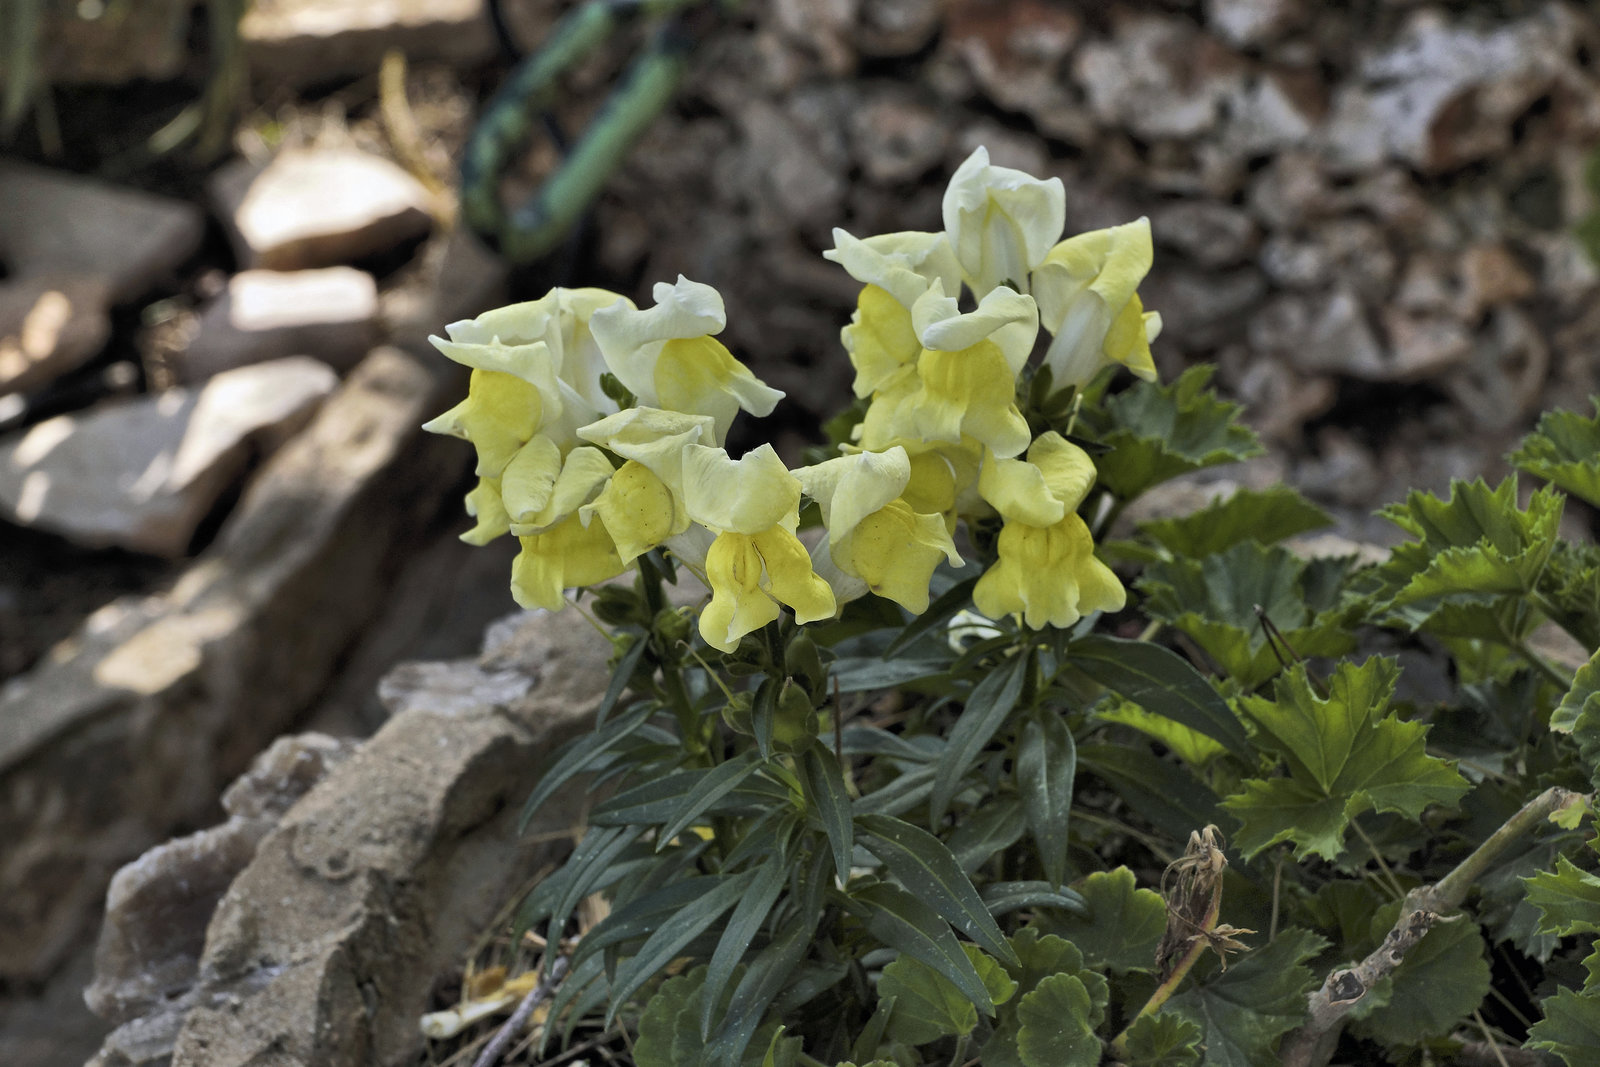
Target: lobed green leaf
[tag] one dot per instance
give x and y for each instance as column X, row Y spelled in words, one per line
column 1264, row 517
column 1564, row 449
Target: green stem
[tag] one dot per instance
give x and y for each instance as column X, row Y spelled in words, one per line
column 1542, row 665
column 1169, row 986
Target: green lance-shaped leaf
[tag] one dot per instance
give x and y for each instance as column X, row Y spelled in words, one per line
column 1161, row 682
column 1002, row 898
column 911, row 927
column 1055, row 1025
column 1160, row 790
column 648, row 803
column 1164, row 1039
column 687, row 923
column 1578, row 714
column 1441, row 981
column 988, row 706
column 986, row 831
column 929, row 1006
column 645, row 915
column 1345, row 755
column 825, row 793
column 1570, row 1028
column 1259, row 998
column 923, row 865
column 1215, row 600
column 1564, row 449
column 1157, row 432
column 939, row 613
column 1265, row 517
column 592, row 865
column 1121, row 924
column 715, row 784
column 763, row 980
column 620, row 677
column 577, row 755
column 746, row 921
column 1047, row 763
column 865, row 1046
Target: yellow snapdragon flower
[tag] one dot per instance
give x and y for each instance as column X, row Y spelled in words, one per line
column 667, row 357
column 966, row 374
column 643, row 504
column 1001, row 222
column 876, row 539
column 756, row 562
column 1046, row 571
column 894, row 269
column 1087, row 289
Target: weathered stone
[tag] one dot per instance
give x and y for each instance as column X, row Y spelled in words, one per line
column 61, row 224
column 318, row 208
column 1204, row 309
column 1246, row 23
column 1279, row 402
column 896, row 27
column 794, row 184
column 1503, row 378
column 1326, row 334
column 1290, row 192
column 1423, row 347
column 1015, row 52
column 331, row 314
column 390, row 867
column 1426, row 285
column 1295, row 263
column 1157, row 78
column 1442, row 95
column 1211, row 234
column 1490, row 276
column 142, row 473
column 159, row 701
column 896, row 137
column 159, row 905
column 1273, row 111
column 48, row 327
column 823, row 26
column 305, row 42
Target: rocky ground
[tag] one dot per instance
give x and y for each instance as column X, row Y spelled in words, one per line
column 218, row 523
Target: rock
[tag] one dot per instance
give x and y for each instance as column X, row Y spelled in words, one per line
column 1504, row 374
column 823, row 27
column 1272, row 111
column 1290, row 192
column 1443, row 95
column 1157, row 78
column 886, row 28
column 387, row 871
column 61, row 224
column 158, row 906
column 159, row 701
column 1202, row 310
column 1211, row 234
column 1249, row 23
column 1424, row 346
column 1295, row 263
column 331, row 314
column 110, row 44
column 790, row 179
column 307, row 42
column 896, row 138
column 318, row 208
column 1490, row 276
column 1014, row 51
column 49, row 326
column 141, row 474
column 1341, row 473
column 1279, row 402
column 1319, row 334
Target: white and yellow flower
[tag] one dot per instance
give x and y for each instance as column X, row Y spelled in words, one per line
column 1087, row 289
column 876, row 541
column 1001, row 222
column 667, row 357
column 756, row 562
column 894, row 269
column 643, row 504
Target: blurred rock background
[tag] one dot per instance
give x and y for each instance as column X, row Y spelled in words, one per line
column 226, row 230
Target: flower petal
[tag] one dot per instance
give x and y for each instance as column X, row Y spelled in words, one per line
column 895, row 550
column 1001, row 221
column 638, row 509
column 902, row 264
column 565, row 556
column 849, row 488
column 790, row 578
column 484, row 504
column 747, row 495
column 738, row 604
column 583, row 474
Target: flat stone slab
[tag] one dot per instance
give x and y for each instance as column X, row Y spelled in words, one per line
column 49, row 325
column 331, row 314
column 131, row 728
column 142, row 473
column 60, row 223
column 318, row 207
column 303, row 42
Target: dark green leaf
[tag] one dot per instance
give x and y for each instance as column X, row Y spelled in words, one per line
column 939, row 613
column 986, row 831
column 1260, row 997
column 1568, row 899
column 922, row 864
column 1570, row 1028
column 584, row 871
column 1164, row 1039
column 911, row 927
column 1159, row 790
column 1161, row 682
column 1578, row 714
column 747, row 919
column 646, row 914
column 1002, row 898
column 928, row 1006
column 1441, row 981
column 824, row 784
column 864, row 674
column 712, row 787
column 649, row 803
column 987, row 708
column 1120, row 925
column 620, row 676
column 1266, row 517
column 865, row 1046
column 900, row 795
column 763, row 979
column 574, row 757
column 1047, row 763
column 1055, row 1025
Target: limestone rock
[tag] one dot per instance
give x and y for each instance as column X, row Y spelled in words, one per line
column 331, row 314
column 1424, row 346
column 896, row 137
column 305, row 42
column 142, row 473
column 158, row 906
column 318, row 208
column 48, row 327
column 1015, row 52
column 160, row 701
column 57, row 223
column 1246, row 23
column 1211, row 234
column 1320, row 334
column 1491, row 276
column 1156, row 78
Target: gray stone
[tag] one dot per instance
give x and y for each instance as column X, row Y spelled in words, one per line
column 896, row 137
column 1246, row 23
column 1202, row 310
column 1157, row 78
column 160, row 701
column 142, row 473
column 1014, row 52
column 1424, row 346
column 305, row 42
column 1211, row 234
column 1320, row 334
column 318, row 208
column 48, row 327
column 331, row 314
column 1273, row 111
column 62, row 224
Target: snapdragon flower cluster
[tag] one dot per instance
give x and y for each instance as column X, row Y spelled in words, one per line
column 588, row 484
